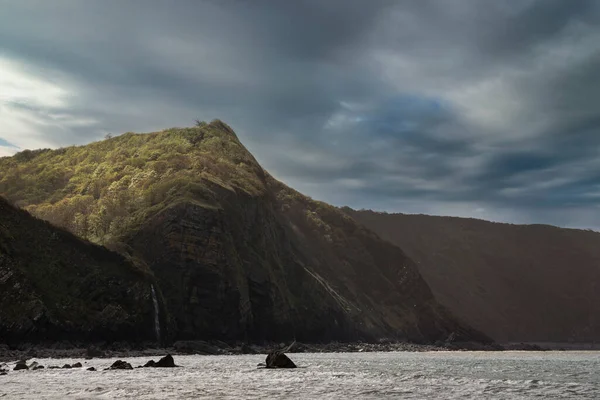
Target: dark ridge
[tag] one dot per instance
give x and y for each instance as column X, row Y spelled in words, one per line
column 516, row 283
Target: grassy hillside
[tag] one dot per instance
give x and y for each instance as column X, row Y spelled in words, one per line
column 513, row 282
column 55, row 286
column 102, row 190
column 237, row 254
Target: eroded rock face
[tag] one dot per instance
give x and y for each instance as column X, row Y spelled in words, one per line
column 277, row 359
column 52, row 293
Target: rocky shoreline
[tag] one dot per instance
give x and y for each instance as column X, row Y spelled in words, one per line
column 124, row 350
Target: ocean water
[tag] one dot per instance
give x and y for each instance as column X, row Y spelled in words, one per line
column 436, row 375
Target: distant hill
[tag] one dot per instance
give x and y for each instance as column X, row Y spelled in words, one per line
column 237, row 255
column 513, row 282
column 54, row 286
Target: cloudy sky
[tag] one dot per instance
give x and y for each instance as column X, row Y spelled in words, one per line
column 482, row 108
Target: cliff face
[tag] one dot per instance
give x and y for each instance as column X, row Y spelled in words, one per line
column 54, row 286
column 513, row 282
column 236, row 254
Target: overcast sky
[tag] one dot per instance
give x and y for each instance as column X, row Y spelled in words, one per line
column 481, row 108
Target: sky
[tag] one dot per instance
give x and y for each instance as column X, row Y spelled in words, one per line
column 476, row 108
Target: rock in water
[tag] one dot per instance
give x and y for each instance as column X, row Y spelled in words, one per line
column 67, row 366
column 166, row 362
column 120, row 365
column 91, row 369
column 21, row 365
column 150, row 364
column 277, row 359
column 77, row 365
column 35, row 366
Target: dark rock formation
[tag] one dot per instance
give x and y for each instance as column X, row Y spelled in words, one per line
column 56, row 286
column 21, row 365
column 119, row 364
column 277, row 359
column 77, row 365
column 91, row 369
column 166, row 362
column 67, row 366
column 38, row 367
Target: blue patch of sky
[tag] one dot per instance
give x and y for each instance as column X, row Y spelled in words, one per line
column 6, row 143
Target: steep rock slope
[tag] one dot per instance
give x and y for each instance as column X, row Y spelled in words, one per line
column 513, row 282
column 54, row 286
column 237, row 254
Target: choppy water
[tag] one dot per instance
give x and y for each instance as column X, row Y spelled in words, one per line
column 443, row 375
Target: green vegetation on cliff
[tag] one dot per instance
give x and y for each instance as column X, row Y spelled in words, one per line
column 102, row 190
column 236, row 254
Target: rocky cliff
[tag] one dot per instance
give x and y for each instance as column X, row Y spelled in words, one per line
column 236, row 254
column 514, row 282
column 54, row 286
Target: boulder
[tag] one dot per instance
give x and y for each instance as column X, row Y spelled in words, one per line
column 38, row 367
column 67, row 366
column 120, row 365
column 33, row 365
column 277, row 359
column 150, row 364
column 91, row 369
column 21, row 365
column 77, row 365
column 166, row 362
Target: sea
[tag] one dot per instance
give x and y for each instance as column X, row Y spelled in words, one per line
column 399, row 375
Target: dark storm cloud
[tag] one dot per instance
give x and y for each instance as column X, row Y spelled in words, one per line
column 474, row 108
